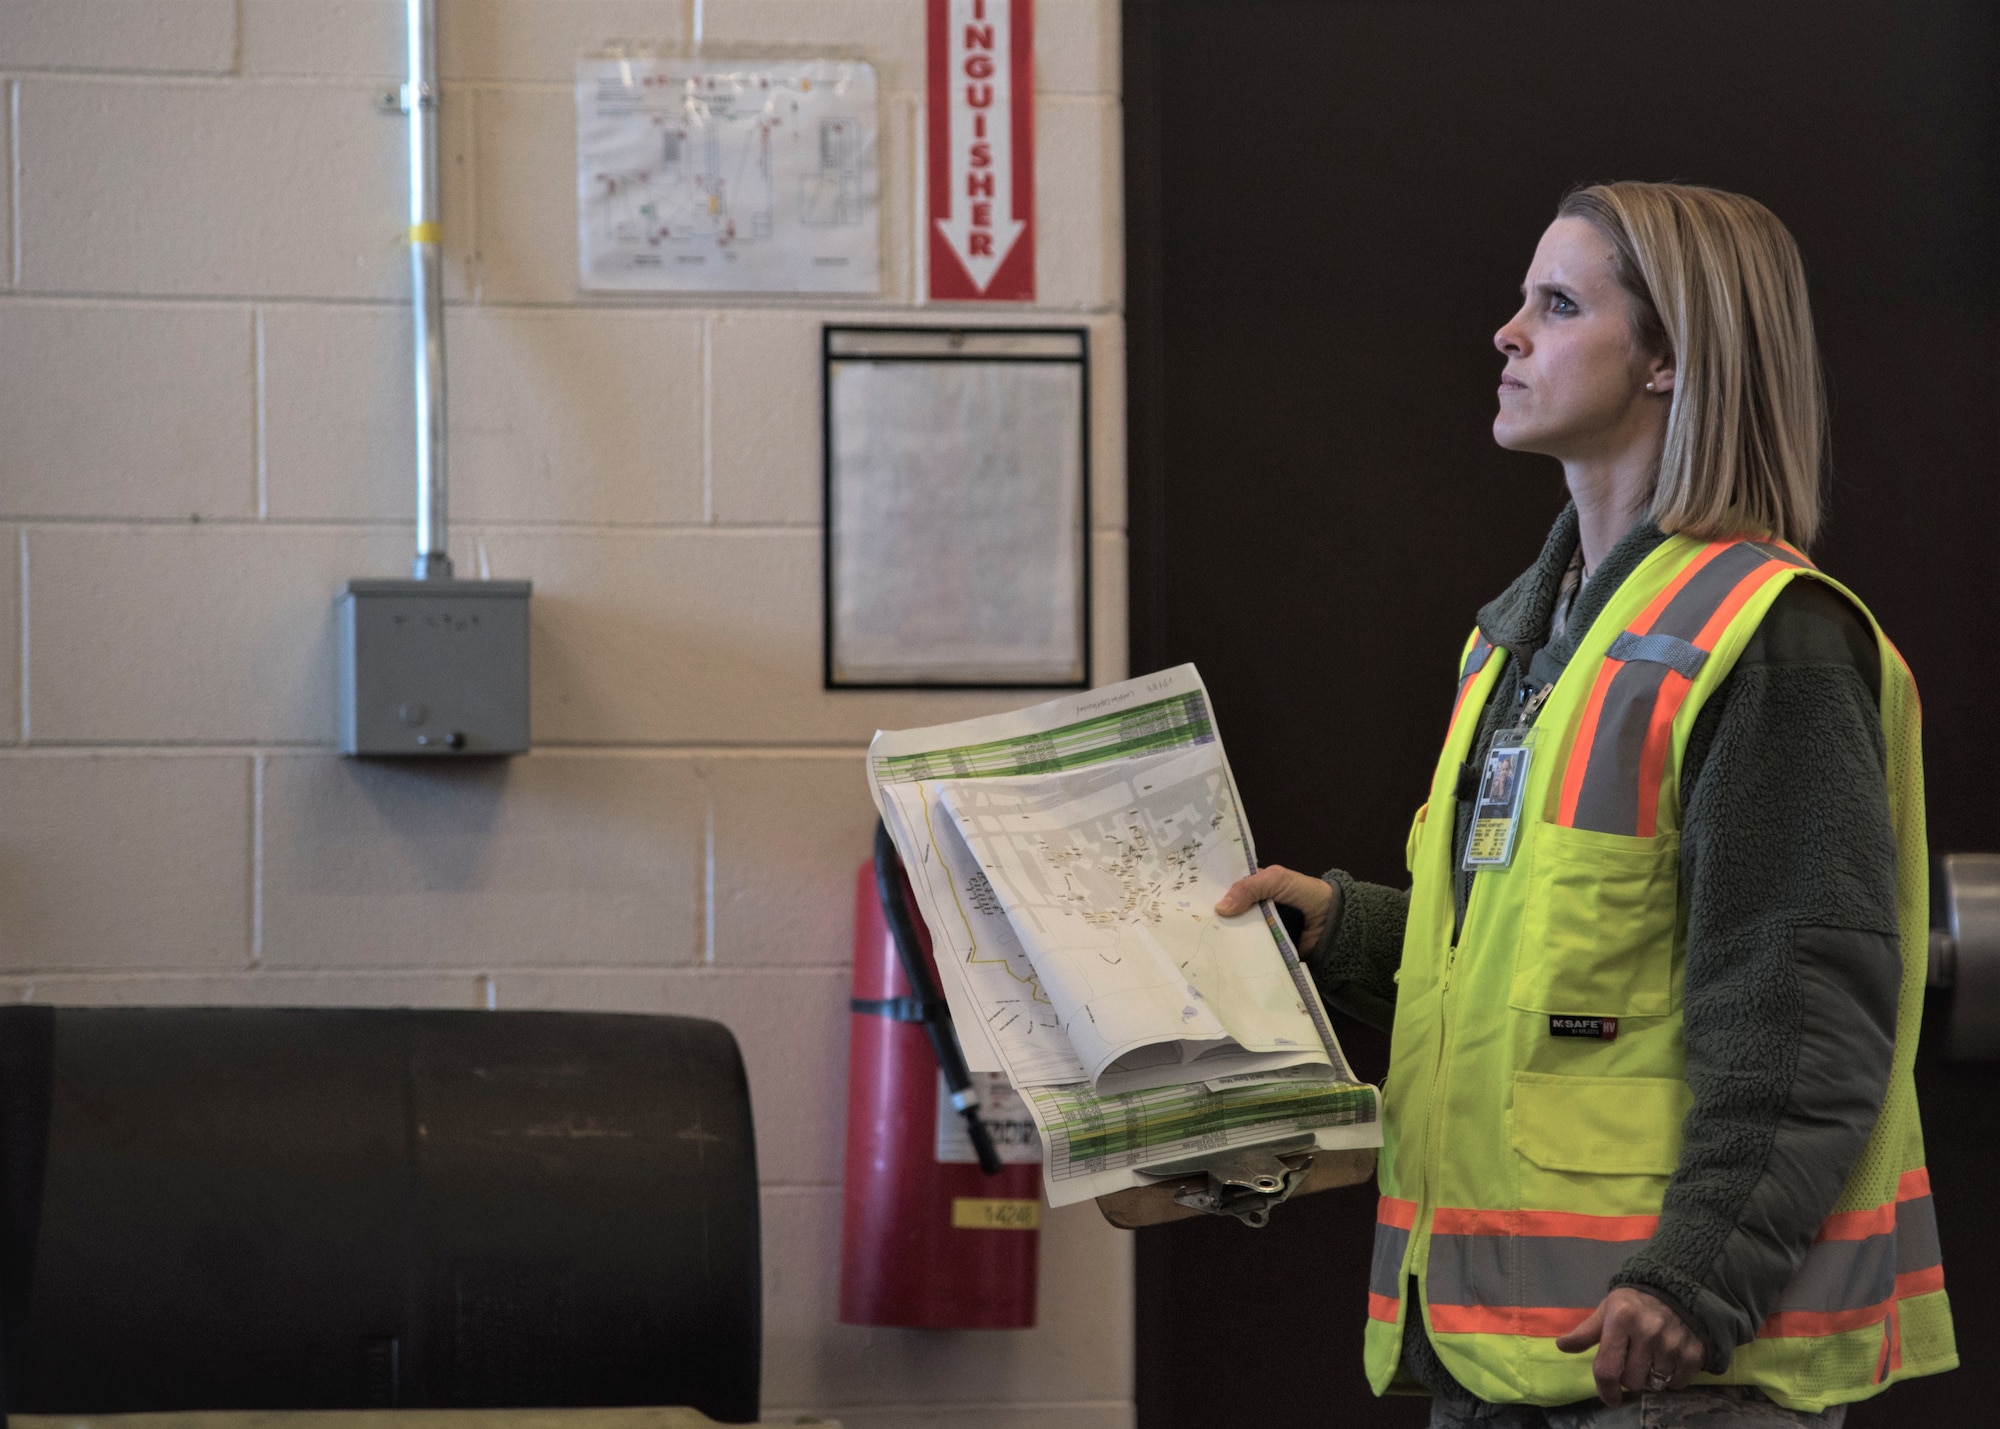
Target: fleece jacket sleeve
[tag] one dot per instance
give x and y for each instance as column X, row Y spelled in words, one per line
column 1788, row 867
column 1358, row 954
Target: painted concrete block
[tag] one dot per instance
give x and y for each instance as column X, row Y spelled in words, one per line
column 339, row 414
column 7, row 189
column 889, row 33
column 155, row 36
column 544, row 861
column 526, row 181
column 764, row 414
column 1079, row 1351
column 1108, row 629
column 578, row 416
column 251, row 988
column 789, row 833
column 540, row 39
column 190, row 632
column 141, row 409
column 1077, row 47
column 901, row 157
column 238, row 189
column 694, row 637
column 1079, row 214
column 1107, row 422
column 534, row 40
column 360, row 38
column 791, row 1026
column 553, row 416
column 124, row 862
column 10, row 635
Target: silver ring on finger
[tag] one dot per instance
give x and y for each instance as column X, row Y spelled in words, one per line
column 1658, row 1380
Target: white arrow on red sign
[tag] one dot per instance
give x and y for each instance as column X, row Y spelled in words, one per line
column 982, row 149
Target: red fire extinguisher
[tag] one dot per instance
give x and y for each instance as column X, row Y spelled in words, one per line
column 925, row 1243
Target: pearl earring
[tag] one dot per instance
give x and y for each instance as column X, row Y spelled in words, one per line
column 1649, row 386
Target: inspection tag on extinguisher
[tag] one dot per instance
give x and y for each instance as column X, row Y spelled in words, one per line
column 982, row 150
column 1007, row 1122
column 983, row 1213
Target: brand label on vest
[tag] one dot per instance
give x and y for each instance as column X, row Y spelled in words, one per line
column 1601, row 1029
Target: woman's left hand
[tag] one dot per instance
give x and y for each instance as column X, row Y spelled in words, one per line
column 1313, row 897
column 1642, row 1345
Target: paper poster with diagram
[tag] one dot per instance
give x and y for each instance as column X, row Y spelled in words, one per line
column 738, row 176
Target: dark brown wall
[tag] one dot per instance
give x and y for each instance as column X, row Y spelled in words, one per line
column 1329, row 209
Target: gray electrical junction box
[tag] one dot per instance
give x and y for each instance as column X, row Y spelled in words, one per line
column 434, row 668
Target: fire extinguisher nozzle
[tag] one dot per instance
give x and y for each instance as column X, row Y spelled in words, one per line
column 944, row 1041
column 982, row 1142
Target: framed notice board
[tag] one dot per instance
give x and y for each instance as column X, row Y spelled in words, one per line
column 957, row 507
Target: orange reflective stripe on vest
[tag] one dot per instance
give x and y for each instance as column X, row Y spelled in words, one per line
column 1540, row 1272
column 1862, row 1264
column 1612, row 781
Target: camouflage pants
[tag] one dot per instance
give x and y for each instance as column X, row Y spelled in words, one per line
column 1717, row 1406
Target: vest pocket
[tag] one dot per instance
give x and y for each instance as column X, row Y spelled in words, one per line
column 1607, row 1125
column 1597, row 931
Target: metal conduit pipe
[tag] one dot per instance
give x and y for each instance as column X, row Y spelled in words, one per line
column 420, row 102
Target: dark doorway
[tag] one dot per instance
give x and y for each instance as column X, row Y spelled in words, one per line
column 1329, row 209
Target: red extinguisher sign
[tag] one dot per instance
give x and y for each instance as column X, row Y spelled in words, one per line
column 982, row 150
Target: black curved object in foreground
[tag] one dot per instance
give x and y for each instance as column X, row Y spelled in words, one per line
column 210, row 1208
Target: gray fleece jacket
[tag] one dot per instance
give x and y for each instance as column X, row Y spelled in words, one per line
column 1788, row 875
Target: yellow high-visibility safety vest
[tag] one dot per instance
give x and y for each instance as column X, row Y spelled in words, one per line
column 1519, row 1169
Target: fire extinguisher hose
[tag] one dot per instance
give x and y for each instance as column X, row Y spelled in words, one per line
column 934, row 1013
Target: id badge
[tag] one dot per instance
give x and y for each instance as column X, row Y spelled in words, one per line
column 1496, row 806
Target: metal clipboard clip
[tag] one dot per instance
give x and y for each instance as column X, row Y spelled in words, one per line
column 1236, row 1182
column 1241, row 1181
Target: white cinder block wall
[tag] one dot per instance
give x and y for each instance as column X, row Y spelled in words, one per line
column 205, row 429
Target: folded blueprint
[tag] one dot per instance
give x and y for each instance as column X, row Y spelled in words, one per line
column 1067, row 859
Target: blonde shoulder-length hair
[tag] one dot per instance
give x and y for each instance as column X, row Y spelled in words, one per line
column 1717, row 284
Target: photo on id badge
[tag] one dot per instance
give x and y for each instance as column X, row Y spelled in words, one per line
column 1496, row 809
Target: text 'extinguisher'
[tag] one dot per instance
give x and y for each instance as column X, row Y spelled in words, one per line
column 941, row 1226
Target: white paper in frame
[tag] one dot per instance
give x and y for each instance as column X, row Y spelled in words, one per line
column 957, row 507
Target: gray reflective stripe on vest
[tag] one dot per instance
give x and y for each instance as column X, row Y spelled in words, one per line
column 1609, row 802
column 1609, row 799
column 1541, row 1272
column 1682, row 656
column 1917, row 1235
column 1475, row 661
column 1843, row 1275
column 1385, row 1266
column 1475, row 658
column 1574, row 1273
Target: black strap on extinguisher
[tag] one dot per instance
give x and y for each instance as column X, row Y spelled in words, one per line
column 924, row 1004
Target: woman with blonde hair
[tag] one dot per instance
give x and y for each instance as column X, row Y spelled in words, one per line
column 1650, row 1128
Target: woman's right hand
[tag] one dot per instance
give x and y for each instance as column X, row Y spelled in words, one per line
column 1314, row 897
